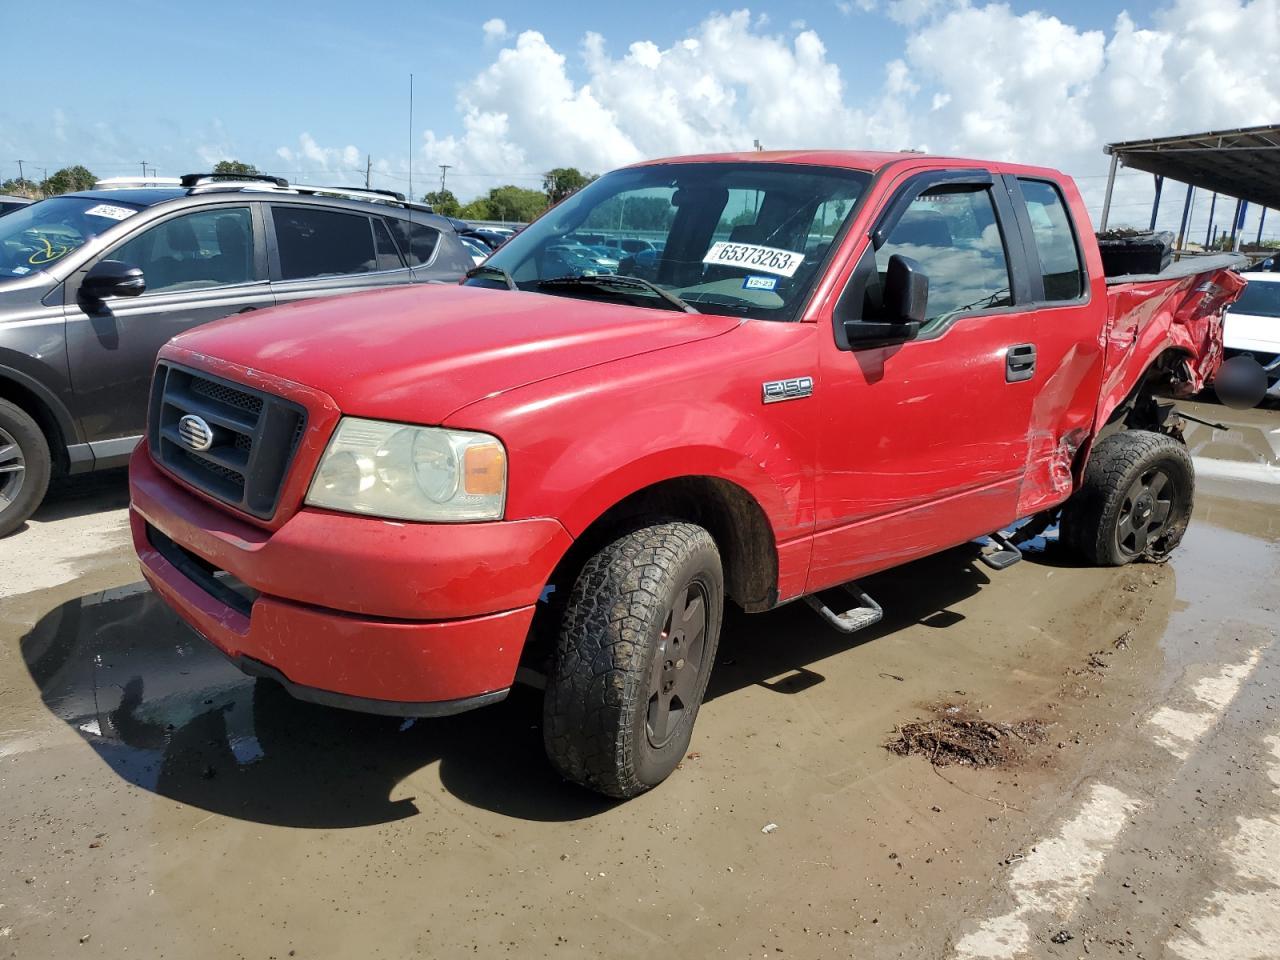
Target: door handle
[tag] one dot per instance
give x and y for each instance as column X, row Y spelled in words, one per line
column 1020, row 362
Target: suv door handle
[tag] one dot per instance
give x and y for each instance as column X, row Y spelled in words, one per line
column 1020, row 362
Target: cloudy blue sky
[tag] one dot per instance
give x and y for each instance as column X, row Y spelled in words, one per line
column 506, row 90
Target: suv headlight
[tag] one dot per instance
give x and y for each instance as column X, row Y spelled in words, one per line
column 411, row 473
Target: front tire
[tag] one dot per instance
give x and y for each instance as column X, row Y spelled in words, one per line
column 24, row 467
column 1135, row 501
column 635, row 649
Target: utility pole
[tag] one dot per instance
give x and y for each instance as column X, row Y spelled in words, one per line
column 144, row 169
column 444, row 168
column 368, row 166
column 21, row 177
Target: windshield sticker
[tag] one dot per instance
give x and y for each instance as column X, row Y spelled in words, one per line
column 110, row 211
column 21, row 271
column 760, row 283
column 753, row 256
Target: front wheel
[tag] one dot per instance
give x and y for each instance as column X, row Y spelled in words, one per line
column 635, row 650
column 1135, row 501
column 24, row 467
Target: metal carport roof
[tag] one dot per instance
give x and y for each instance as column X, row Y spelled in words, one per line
column 1242, row 163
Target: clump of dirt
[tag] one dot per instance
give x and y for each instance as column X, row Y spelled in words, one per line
column 957, row 735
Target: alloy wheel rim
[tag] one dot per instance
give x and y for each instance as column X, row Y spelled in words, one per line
column 1145, row 512
column 677, row 664
column 13, row 469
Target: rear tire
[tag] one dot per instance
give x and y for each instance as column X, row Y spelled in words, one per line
column 635, row 650
column 24, row 467
column 1135, row 501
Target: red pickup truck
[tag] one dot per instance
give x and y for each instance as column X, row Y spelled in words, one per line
column 811, row 367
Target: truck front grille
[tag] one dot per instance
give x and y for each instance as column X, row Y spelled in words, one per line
column 251, row 437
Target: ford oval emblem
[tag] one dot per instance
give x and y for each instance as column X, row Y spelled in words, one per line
column 195, row 433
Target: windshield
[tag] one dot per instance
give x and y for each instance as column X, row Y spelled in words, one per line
column 41, row 234
column 1261, row 298
column 747, row 239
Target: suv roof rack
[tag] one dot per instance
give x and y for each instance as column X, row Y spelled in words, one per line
column 360, row 193
column 191, row 180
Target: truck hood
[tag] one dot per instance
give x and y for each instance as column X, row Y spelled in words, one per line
column 420, row 353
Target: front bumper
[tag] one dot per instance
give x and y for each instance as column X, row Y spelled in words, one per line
column 374, row 615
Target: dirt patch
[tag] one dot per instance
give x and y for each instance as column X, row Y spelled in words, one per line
column 957, row 735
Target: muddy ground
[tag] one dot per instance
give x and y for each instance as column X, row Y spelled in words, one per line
column 156, row 803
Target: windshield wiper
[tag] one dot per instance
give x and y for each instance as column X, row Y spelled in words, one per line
column 490, row 268
column 617, row 280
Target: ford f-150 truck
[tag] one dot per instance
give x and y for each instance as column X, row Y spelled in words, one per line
column 825, row 365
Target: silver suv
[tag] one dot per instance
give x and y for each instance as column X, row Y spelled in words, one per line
column 93, row 283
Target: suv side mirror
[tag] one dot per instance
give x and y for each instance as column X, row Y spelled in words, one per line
column 112, row 278
column 906, row 298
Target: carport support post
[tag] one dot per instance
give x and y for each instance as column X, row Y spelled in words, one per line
column 1186, row 212
column 1262, row 218
column 1106, row 201
column 1208, row 230
column 1155, row 204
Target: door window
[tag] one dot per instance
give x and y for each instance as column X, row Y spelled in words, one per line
column 1055, row 240
column 208, row 248
column 955, row 237
column 322, row 243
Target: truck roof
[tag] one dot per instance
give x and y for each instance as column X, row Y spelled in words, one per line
column 869, row 160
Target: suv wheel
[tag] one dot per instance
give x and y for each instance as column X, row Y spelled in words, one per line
column 1135, row 501
column 635, row 650
column 24, row 467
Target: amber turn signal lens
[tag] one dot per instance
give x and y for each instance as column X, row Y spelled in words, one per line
column 484, row 469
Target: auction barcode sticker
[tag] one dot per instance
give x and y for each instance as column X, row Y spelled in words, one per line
column 754, row 257
column 110, row 211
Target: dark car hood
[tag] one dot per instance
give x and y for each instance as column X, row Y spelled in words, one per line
column 420, row 353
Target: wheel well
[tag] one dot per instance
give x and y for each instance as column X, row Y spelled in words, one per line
column 732, row 516
column 39, row 411
column 1140, row 410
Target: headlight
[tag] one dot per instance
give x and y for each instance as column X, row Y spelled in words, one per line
column 411, row 473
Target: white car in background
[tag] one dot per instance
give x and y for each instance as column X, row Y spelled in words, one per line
column 1253, row 326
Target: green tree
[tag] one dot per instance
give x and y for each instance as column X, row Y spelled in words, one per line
column 508, row 202
column 235, row 166
column 20, row 187
column 443, row 202
column 67, row 180
column 563, row 181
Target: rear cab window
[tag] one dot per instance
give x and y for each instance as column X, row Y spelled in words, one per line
column 1055, row 240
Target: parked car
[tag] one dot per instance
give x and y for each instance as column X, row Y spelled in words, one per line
column 92, row 283
column 579, row 258
column 1253, row 326
column 570, row 474
column 477, row 249
column 8, row 204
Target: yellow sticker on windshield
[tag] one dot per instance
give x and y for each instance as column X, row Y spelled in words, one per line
column 754, row 257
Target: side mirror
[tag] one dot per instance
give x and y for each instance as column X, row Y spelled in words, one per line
column 906, row 290
column 906, row 299
column 112, row 278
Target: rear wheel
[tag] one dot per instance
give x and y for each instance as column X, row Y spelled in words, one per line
column 24, row 467
column 634, row 653
column 1135, row 501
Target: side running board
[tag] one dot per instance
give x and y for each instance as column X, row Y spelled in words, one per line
column 863, row 614
column 1004, row 555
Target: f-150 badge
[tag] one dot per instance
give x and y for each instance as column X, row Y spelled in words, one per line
column 775, row 391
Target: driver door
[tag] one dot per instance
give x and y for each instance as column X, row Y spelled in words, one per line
column 924, row 443
column 199, row 266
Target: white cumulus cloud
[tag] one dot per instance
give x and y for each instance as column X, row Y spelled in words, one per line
column 495, row 29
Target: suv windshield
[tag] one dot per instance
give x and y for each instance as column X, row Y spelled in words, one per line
column 1261, row 298
column 747, row 239
column 38, row 235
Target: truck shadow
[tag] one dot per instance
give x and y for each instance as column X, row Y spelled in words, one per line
column 166, row 712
